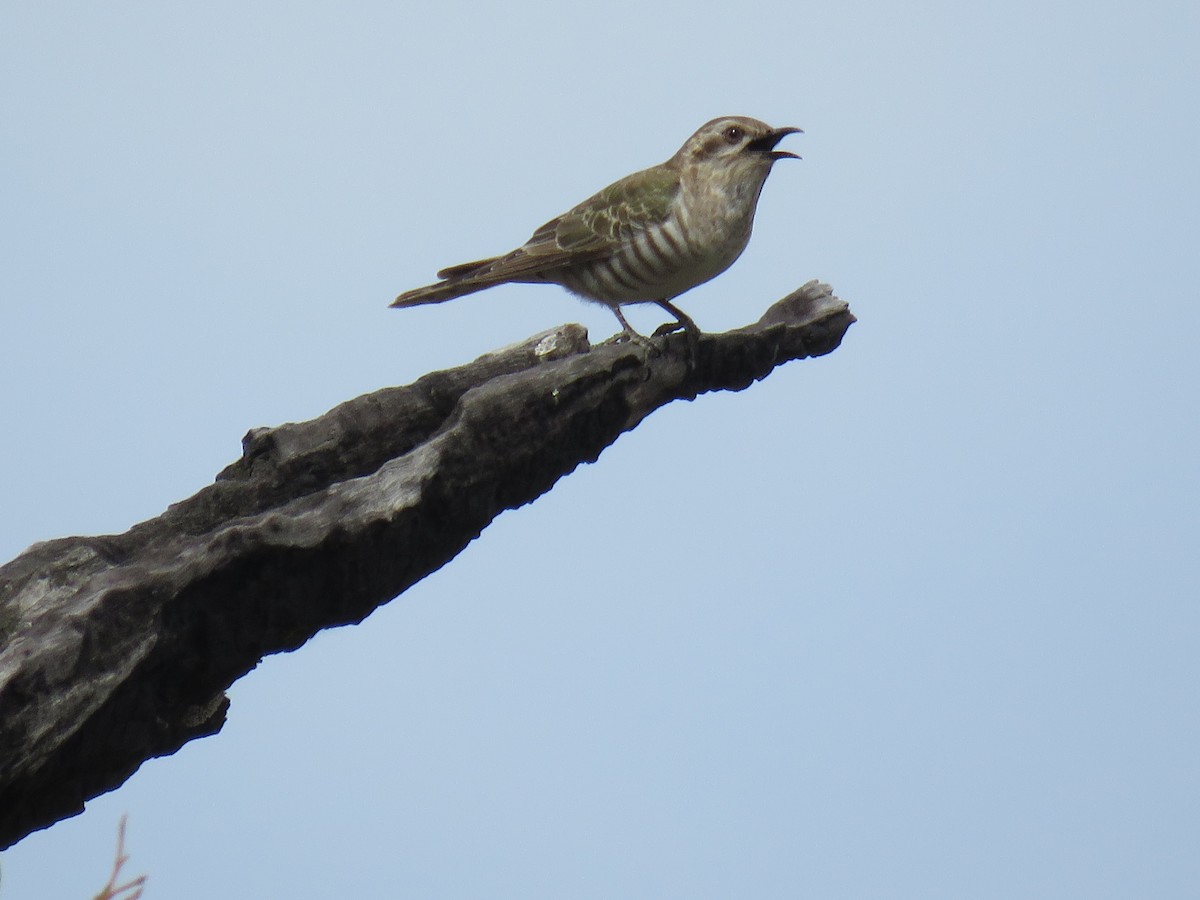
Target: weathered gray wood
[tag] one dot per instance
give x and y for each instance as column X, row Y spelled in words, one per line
column 119, row 648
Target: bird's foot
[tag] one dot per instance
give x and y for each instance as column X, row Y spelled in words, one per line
column 682, row 321
column 634, row 337
column 628, row 333
column 692, row 334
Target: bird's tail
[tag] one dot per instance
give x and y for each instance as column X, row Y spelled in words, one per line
column 457, row 281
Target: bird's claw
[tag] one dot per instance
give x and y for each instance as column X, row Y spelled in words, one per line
column 644, row 342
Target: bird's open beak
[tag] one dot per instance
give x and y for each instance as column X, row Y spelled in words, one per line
column 766, row 143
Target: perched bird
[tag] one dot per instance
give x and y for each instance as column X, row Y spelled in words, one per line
column 646, row 238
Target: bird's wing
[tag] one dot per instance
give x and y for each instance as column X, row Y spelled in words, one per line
column 591, row 230
column 619, row 212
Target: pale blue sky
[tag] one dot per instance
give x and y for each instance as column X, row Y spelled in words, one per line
column 915, row 620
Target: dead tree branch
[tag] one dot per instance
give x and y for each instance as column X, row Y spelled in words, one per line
column 119, row 648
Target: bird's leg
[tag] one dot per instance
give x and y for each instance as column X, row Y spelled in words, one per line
column 682, row 320
column 640, row 339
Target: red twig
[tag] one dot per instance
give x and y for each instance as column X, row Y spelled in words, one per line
column 131, row 890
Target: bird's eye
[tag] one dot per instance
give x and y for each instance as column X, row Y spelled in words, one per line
column 734, row 134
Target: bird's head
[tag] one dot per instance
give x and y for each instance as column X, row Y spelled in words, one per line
column 737, row 142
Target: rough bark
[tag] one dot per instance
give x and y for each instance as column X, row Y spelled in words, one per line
column 119, row 648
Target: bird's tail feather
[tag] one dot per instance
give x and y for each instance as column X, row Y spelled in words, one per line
column 521, row 265
column 443, row 290
column 462, row 270
column 456, row 282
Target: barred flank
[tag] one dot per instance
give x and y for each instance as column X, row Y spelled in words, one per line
column 650, row 267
